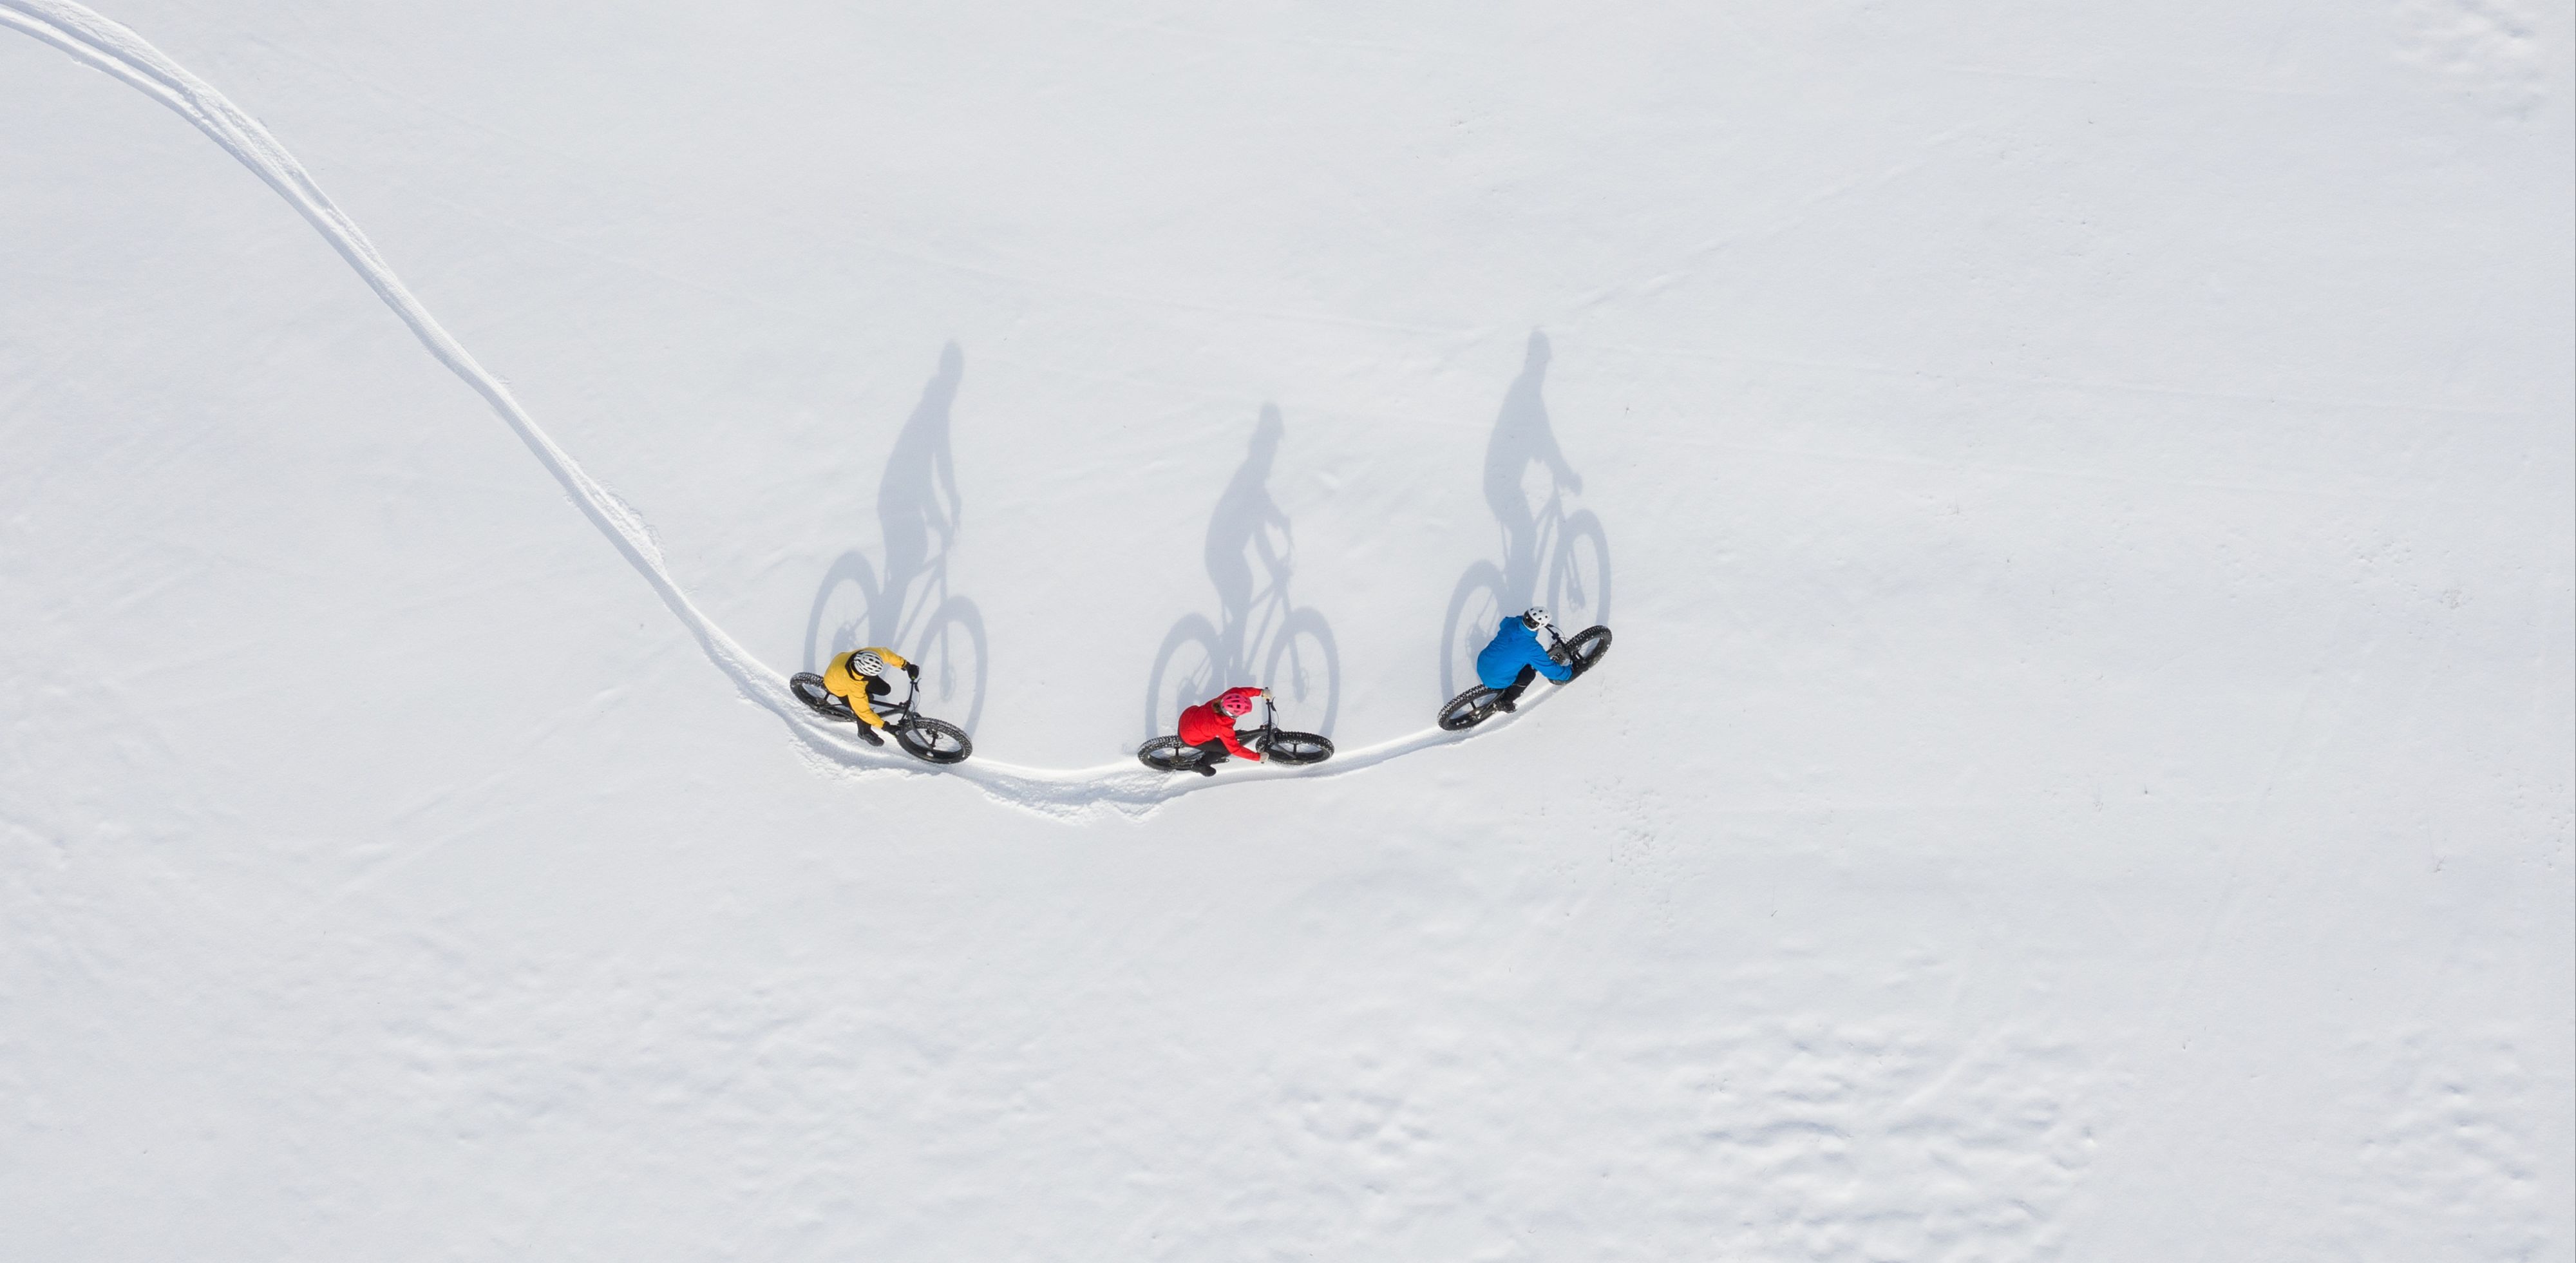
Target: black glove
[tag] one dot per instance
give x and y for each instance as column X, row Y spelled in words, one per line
column 912, row 669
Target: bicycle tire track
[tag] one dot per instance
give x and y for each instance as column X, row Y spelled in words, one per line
column 1069, row 793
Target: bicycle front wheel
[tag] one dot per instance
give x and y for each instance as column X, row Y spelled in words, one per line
column 934, row 741
column 1296, row 749
column 1586, row 648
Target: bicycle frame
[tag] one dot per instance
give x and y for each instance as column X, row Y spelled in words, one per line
column 1269, row 729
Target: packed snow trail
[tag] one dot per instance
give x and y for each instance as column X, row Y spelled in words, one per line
column 1129, row 787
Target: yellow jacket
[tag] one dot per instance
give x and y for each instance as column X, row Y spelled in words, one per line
column 841, row 682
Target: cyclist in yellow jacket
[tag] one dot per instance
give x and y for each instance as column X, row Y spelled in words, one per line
column 858, row 677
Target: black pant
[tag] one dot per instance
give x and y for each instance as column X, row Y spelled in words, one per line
column 1211, row 753
column 878, row 691
column 1519, row 683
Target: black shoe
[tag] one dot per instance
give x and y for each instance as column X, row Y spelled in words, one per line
column 870, row 736
column 1506, row 704
column 1205, row 769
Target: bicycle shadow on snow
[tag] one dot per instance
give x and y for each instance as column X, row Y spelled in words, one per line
column 909, row 608
column 1550, row 557
column 1258, row 637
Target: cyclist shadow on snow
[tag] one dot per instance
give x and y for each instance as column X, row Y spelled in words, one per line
column 909, row 608
column 1550, row 557
column 1258, row 637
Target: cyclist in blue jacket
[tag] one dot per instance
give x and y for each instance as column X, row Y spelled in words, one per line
column 1517, row 656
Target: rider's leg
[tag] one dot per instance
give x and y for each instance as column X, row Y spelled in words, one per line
column 866, row 733
column 878, row 691
column 1211, row 753
column 1510, row 700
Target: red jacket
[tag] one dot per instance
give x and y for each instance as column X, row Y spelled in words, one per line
column 1203, row 723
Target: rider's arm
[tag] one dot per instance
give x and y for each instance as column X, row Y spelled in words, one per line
column 1547, row 664
column 1239, row 750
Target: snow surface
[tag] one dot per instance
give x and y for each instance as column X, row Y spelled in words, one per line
column 2087, row 501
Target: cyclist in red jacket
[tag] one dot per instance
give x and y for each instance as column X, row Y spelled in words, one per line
column 1210, row 727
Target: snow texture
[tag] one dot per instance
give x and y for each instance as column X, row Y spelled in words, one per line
column 109, row 47
column 2085, row 771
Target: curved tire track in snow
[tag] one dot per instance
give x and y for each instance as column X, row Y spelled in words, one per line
column 1125, row 786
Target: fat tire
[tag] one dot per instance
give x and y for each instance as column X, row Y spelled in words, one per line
column 1586, row 648
column 1296, row 749
column 1468, row 709
column 934, row 740
column 1167, row 754
column 808, row 688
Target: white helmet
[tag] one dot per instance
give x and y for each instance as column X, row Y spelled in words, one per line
column 1536, row 619
column 866, row 662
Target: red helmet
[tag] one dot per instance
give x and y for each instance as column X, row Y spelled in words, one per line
column 1235, row 703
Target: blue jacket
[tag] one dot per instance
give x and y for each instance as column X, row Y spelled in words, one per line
column 1514, row 647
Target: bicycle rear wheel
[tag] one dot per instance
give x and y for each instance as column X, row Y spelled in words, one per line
column 1167, row 754
column 808, row 688
column 1586, row 648
column 934, row 741
column 1469, row 709
column 1295, row 749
